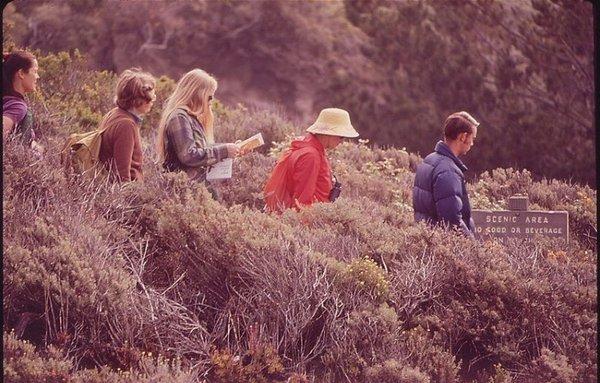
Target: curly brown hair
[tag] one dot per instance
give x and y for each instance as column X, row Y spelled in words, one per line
column 134, row 88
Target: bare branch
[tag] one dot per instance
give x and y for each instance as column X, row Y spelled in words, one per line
column 588, row 77
column 33, row 25
column 149, row 44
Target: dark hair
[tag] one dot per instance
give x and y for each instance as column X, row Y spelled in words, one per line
column 133, row 88
column 11, row 63
column 457, row 123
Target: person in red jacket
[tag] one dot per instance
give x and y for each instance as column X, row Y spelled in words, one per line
column 302, row 175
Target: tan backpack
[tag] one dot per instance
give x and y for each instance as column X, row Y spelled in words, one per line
column 80, row 154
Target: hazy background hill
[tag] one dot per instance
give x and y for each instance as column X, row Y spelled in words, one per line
column 523, row 68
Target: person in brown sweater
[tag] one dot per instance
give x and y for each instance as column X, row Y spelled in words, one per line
column 121, row 148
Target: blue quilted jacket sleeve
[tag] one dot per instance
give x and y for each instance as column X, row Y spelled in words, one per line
column 447, row 194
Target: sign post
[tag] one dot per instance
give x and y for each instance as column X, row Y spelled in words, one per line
column 518, row 222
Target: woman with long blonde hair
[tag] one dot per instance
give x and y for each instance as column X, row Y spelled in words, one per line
column 186, row 132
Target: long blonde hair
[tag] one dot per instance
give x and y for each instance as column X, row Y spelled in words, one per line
column 191, row 93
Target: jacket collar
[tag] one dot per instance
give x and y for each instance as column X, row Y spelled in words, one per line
column 442, row 148
column 193, row 115
column 137, row 119
column 313, row 141
column 13, row 93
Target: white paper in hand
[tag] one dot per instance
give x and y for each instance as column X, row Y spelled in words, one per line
column 222, row 170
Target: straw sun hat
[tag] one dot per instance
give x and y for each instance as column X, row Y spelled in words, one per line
column 333, row 122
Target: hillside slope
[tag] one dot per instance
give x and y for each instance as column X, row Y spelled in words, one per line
column 158, row 282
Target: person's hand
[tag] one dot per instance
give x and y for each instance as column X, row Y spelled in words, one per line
column 243, row 151
column 232, row 150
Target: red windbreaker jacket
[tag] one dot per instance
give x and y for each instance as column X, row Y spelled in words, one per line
column 301, row 176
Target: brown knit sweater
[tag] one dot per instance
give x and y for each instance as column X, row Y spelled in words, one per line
column 121, row 148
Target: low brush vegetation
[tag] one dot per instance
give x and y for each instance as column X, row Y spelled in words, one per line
column 157, row 282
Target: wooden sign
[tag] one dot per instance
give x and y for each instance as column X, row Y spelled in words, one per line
column 521, row 223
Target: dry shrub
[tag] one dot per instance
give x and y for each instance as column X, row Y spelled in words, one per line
column 240, row 123
column 495, row 300
column 552, row 367
column 342, row 231
column 499, row 184
column 416, row 281
column 500, row 375
column 59, row 109
column 57, row 257
column 260, row 363
column 195, row 239
column 150, row 369
column 382, row 175
column 287, row 298
column 390, row 160
column 579, row 201
column 88, row 303
column 347, row 291
column 373, row 343
column 392, row 371
column 24, row 364
column 246, row 187
column 73, row 274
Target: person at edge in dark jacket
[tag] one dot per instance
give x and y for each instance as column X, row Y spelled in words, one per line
column 302, row 174
column 439, row 193
column 19, row 76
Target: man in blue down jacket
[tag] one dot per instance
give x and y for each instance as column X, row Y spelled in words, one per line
column 440, row 193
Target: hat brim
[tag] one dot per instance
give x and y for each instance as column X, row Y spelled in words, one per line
column 333, row 130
